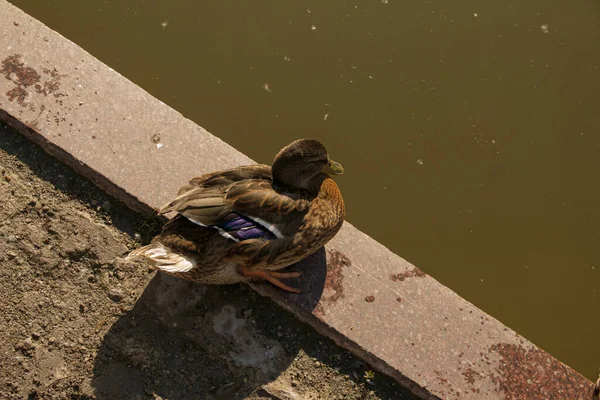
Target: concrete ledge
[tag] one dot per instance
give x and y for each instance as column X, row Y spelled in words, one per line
column 372, row 302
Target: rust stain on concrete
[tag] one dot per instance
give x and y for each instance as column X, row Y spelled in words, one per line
column 444, row 384
column 336, row 262
column 411, row 273
column 52, row 85
column 470, row 376
column 18, row 93
column 24, row 77
column 533, row 374
column 13, row 69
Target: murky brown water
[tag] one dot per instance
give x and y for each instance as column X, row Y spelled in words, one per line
column 469, row 131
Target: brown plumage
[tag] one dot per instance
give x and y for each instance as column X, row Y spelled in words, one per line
column 247, row 222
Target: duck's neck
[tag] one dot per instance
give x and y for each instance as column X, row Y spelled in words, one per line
column 312, row 185
column 325, row 188
column 297, row 181
column 329, row 191
column 315, row 184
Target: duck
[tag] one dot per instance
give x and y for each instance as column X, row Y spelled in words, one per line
column 249, row 222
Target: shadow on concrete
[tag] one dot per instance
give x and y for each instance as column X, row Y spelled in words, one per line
column 184, row 340
column 312, row 282
column 189, row 341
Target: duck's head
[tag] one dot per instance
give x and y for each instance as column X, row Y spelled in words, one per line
column 299, row 162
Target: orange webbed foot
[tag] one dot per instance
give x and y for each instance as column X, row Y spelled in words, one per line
column 271, row 277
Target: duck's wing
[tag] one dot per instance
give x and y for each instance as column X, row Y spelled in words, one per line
column 202, row 199
column 248, row 208
column 280, row 210
column 204, row 206
column 228, row 176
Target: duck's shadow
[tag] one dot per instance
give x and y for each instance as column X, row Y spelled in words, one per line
column 184, row 340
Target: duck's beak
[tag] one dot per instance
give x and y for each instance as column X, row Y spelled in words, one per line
column 334, row 168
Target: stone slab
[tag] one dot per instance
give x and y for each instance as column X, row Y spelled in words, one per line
column 369, row 300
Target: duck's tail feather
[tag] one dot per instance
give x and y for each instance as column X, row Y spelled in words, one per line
column 163, row 258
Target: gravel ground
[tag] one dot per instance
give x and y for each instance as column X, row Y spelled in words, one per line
column 79, row 323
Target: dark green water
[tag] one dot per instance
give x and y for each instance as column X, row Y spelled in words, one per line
column 469, row 130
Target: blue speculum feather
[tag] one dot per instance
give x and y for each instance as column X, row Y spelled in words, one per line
column 242, row 228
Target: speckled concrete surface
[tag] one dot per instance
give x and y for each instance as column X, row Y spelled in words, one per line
column 370, row 301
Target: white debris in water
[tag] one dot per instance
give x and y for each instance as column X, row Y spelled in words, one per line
column 286, row 58
column 325, row 117
column 384, row 1
column 313, row 27
column 267, row 87
column 475, row 15
column 164, row 24
column 544, row 28
column 420, row 161
column 159, row 145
